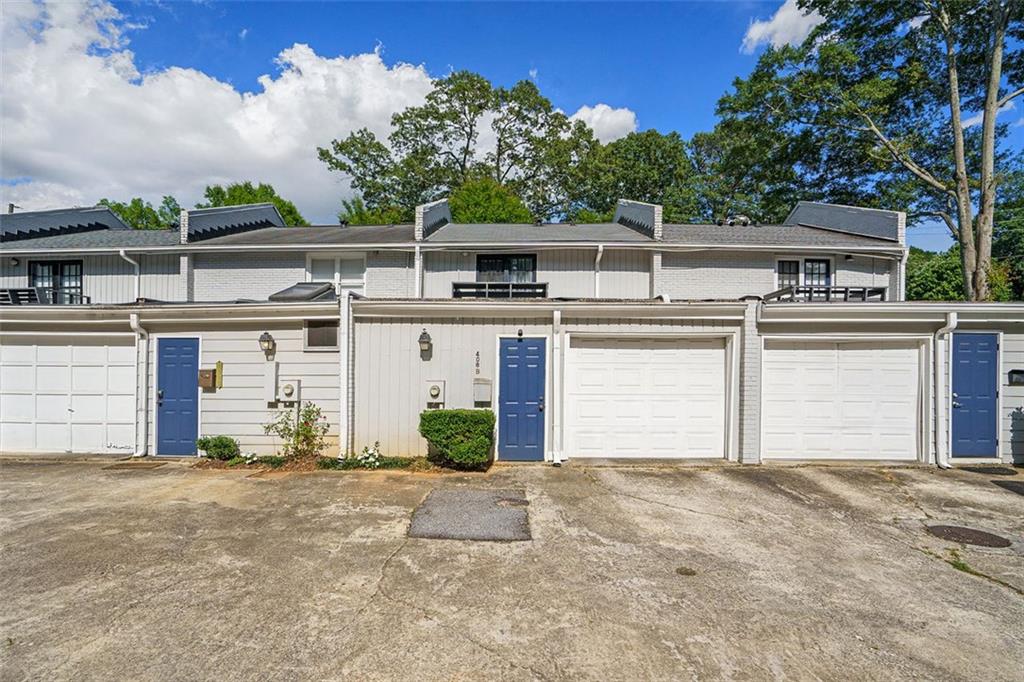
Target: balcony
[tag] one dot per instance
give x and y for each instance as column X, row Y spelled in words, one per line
column 823, row 294
column 499, row 290
column 42, row 296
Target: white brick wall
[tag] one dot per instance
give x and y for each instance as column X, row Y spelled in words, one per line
column 225, row 277
column 390, row 274
column 732, row 274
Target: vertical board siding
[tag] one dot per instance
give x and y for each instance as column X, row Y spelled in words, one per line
column 1011, row 431
column 862, row 271
column 110, row 278
column 716, row 275
column 441, row 269
column 569, row 273
column 626, row 274
column 238, row 408
column 391, row 377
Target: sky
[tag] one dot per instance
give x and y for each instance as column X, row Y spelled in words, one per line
column 115, row 100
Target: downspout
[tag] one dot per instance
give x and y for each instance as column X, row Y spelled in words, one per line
column 417, row 264
column 941, row 458
column 597, row 270
column 141, row 444
column 138, row 273
column 901, row 294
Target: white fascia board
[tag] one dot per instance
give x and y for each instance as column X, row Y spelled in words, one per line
column 168, row 313
column 907, row 311
column 893, row 252
column 546, row 308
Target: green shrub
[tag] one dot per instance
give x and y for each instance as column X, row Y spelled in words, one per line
column 461, row 439
column 303, row 434
column 223, row 448
column 349, row 463
column 272, row 461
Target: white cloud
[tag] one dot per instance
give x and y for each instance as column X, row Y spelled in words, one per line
column 608, row 123
column 918, row 21
column 788, row 26
column 1019, row 123
column 243, row 33
column 977, row 118
column 533, row 74
column 80, row 122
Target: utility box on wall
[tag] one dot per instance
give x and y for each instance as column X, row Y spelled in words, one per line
column 434, row 393
column 481, row 392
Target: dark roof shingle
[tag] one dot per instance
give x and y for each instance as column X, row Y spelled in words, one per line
column 548, row 232
column 33, row 224
column 766, row 235
column 869, row 222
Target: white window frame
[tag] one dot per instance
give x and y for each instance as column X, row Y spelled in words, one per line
column 831, row 266
column 320, row 349
column 338, row 257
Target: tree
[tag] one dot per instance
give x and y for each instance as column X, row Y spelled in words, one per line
column 239, row 193
column 355, row 212
column 1008, row 229
column 484, row 200
column 884, row 87
column 938, row 277
column 531, row 148
column 645, row 166
column 141, row 215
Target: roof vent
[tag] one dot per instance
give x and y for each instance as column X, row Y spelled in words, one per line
column 343, row 223
column 741, row 220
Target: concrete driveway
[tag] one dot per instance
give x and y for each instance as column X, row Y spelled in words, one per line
column 653, row 573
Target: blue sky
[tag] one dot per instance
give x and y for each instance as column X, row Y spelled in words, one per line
column 124, row 99
column 668, row 62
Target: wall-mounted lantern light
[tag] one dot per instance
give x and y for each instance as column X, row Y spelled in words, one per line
column 425, row 341
column 267, row 343
column 14, row 262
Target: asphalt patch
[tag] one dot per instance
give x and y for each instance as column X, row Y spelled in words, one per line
column 1012, row 486
column 472, row 514
column 991, row 470
column 968, row 536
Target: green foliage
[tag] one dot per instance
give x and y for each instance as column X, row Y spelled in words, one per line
column 141, row 215
column 350, row 463
column 461, row 439
column 239, row 193
column 219, row 447
column 355, row 212
column 1008, row 231
column 435, row 148
column 646, row 166
column 483, row 200
column 939, row 277
column 302, row 434
column 272, row 461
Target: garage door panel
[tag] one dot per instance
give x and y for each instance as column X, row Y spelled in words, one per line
column 70, row 394
column 15, row 379
column 869, row 409
column 665, row 398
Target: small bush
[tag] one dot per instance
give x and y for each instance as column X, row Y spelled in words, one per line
column 303, row 436
column 223, row 448
column 461, row 439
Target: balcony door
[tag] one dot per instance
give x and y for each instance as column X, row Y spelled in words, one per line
column 515, row 268
column 61, row 280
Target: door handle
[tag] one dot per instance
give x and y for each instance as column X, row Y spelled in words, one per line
column 956, row 404
column 540, row 405
column 159, row 398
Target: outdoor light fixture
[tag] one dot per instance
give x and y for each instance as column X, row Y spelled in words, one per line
column 425, row 341
column 14, row 262
column 267, row 343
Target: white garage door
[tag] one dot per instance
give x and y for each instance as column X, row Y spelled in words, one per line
column 645, row 398
column 67, row 394
column 844, row 400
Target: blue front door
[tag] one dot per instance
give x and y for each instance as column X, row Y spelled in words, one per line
column 521, row 400
column 177, row 396
column 975, row 392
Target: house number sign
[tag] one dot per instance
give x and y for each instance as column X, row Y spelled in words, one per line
column 477, row 363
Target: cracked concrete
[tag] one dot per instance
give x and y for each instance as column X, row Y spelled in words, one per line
column 809, row 572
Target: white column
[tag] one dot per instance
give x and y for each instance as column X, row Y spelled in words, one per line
column 555, row 399
column 345, row 388
column 418, row 268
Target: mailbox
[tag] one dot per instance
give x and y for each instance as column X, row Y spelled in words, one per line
column 1017, row 377
column 207, row 378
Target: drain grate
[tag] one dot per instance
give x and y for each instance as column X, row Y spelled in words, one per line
column 968, row 536
column 138, row 465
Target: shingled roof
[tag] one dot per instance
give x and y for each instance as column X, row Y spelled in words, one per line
column 870, row 222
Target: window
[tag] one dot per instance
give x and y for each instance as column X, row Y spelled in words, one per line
column 345, row 271
column 789, row 273
column 61, row 279
column 817, row 272
column 322, row 335
column 506, row 268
